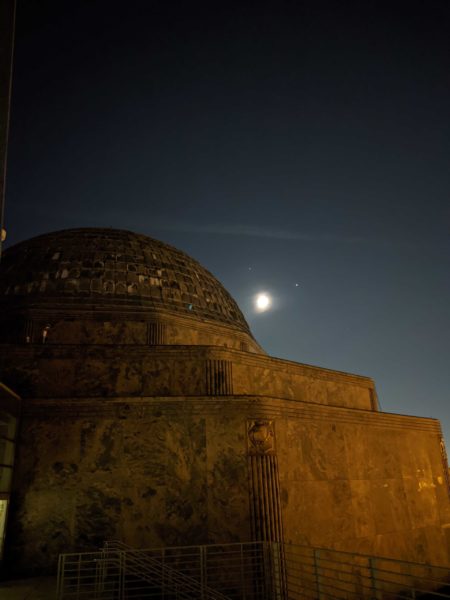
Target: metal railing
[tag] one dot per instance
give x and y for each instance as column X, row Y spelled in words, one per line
column 246, row 571
column 323, row 574
column 213, row 572
column 141, row 568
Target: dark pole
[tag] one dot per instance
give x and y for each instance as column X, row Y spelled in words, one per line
column 7, row 22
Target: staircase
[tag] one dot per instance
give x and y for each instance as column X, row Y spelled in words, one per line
column 156, row 578
column 248, row 571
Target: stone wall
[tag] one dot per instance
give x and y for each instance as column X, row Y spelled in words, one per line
column 368, row 483
column 148, row 472
column 52, row 371
column 95, row 326
column 176, row 471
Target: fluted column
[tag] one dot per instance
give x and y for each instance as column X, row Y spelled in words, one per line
column 219, row 377
column 264, row 485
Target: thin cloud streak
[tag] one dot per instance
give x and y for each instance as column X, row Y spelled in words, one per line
column 279, row 234
column 256, row 231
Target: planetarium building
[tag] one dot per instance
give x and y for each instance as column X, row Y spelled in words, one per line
column 151, row 415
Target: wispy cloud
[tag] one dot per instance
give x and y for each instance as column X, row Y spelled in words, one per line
column 256, row 231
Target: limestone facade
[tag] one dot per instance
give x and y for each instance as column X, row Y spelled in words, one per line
column 191, row 434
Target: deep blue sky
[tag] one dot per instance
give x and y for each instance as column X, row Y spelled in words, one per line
column 306, row 141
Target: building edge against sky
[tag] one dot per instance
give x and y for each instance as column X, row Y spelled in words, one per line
column 150, row 414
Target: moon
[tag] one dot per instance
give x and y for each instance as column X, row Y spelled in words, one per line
column 262, row 302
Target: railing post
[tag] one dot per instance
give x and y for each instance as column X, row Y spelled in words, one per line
column 61, row 560
column 100, row 573
column 411, row 579
column 97, row 577
column 373, row 577
column 276, row 568
column 202, row 571
column 316, row 553
column 163, row 573
column 121, row 574
column 243, row 594
column 269, row 570
column 78, row 576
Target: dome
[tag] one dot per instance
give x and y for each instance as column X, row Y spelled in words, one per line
column 113, row 271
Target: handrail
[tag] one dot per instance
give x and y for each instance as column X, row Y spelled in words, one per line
column 143, row 562
column 250, row 571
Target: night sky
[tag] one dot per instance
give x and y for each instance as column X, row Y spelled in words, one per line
column 279, row 144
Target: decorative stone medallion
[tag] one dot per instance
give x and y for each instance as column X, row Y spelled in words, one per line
column 261, row 436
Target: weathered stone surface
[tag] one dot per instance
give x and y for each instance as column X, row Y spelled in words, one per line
column 174, row 472
column 104, row 286
column 136, row 412
column 62, row 371
column 365, row 487
column 143, row 481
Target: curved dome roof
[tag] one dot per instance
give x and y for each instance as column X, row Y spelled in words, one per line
column 110, row 268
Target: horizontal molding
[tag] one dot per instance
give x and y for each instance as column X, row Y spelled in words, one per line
column 255, row 407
